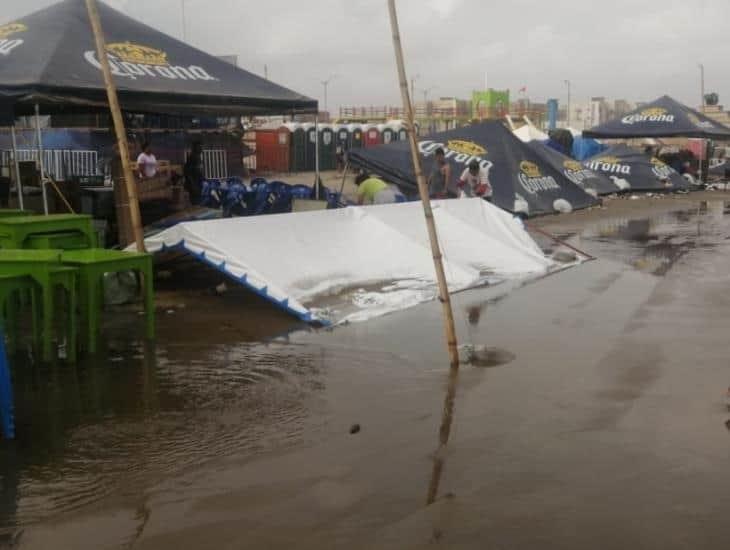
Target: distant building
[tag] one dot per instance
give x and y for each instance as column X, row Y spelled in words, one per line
column 717, row 113
column 490, row 103
column 621, row 107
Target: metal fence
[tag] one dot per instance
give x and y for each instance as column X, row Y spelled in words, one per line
column 215, row 163
column 60, row 164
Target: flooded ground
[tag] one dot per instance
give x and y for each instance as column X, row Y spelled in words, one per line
column 597, row 419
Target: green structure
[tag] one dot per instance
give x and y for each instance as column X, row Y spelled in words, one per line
column 489, row 103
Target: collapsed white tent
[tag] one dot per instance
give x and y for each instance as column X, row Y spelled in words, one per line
column 291, row 259
column 528, row 133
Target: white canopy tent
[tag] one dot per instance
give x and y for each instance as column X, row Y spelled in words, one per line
column 292, row 259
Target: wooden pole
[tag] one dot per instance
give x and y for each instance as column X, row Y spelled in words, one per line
column 435, row 248
column 120, row 130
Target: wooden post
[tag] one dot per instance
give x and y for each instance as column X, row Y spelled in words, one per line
column 435, row 248
column 121, row 132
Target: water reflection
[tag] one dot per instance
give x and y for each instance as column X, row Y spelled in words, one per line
column 124, row 420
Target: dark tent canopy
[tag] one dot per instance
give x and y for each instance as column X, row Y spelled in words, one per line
column 520, row 178
column 49, row 58
column 593, row 183
column 642, row 172
column 664, row 117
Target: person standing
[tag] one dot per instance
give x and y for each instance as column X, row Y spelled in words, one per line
column 147, row 162
column 474, row 182
column 440, row 176
column 193, row 173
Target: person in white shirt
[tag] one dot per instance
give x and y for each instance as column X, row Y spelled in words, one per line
column 474, row 182
column 146, row 162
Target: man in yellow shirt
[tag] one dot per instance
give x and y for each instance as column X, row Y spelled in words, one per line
column 373, row 190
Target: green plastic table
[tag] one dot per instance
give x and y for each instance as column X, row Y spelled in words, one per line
column 14, row 213
column 46, row 270
column 92, row 264
column 11, row 289
column 15, row 231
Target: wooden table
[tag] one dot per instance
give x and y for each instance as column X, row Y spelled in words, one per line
column 14, row 231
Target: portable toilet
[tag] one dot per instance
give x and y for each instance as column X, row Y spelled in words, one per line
column 402, row 133
column 272, row 150
column 297, row 154
column 387, row 135
column 310, row 147
column 371, row 135
column 327, row 148
column 356, row 136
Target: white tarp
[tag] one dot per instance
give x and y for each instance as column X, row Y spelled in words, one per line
column 292, row 259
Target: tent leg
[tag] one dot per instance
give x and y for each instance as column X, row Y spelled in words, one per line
column 40, row 158
column 316, row 156
column 344, row 176
column 18, row 182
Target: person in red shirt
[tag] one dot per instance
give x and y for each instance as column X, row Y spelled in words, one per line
column 474, row 182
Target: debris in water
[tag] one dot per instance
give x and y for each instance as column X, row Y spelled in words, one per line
column 221, row 289
column 482, row 356
column 565, row 256
column 355, row 428
column 170, row 311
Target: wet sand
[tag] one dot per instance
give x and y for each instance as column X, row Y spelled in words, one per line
column 601, row 426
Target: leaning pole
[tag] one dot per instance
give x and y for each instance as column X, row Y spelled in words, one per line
column 435, row 251
column 120, row 130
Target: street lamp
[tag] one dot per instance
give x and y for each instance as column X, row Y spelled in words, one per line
column 184, row 22
column 325, row 83
column 413, row 86
column 426, row 91
column 567, row 122
column 702, row 86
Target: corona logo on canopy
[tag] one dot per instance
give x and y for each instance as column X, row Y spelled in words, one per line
column 655, row 114
column 661, row 170
column 134, row 53
column 8, row 44
column 609, row 165
column 134, row 61
column 576, row 173
column 459, row 151
column 532, row 179
column 466, row 147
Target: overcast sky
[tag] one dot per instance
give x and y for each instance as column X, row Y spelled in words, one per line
column 630, row 49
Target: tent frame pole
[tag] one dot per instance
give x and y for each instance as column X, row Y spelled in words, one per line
column 41, row 166
column 444, row 297
column 16, row 164
column 119, row 129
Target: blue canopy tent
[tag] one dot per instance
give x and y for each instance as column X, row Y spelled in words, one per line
column 664, row 117
column 595, row 183
column 521, row 179
column 642, row 172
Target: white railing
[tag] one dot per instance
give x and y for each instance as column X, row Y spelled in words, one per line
column 215, row 163
column 60, row 164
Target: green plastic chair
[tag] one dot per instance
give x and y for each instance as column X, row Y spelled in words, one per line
column 45, row 269
column 92, row 264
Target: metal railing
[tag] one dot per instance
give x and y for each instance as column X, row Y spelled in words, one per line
column 60, row 164
column 215, row 163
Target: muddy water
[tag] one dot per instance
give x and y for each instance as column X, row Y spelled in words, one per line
column 600, row 423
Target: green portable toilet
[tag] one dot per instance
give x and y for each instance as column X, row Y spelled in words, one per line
column 327, row 148
column 355, row 131
column 297, row 155
column 342, row 137
column 310, row 139
column 386, row 133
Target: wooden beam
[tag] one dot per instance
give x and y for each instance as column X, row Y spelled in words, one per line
column 435, row 252
column 120, row 130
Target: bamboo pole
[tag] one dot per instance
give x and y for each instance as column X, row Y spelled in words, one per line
column 39, row 137
column 16, row 165
column 435, row 251
column 119, row 128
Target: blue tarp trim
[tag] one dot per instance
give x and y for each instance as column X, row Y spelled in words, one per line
column 307, row 316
